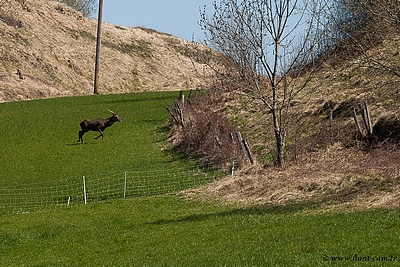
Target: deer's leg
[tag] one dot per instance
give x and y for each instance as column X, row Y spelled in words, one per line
column 81, row 133
column 101, row 134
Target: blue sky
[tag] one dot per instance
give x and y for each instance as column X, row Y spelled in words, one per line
column 177, row 17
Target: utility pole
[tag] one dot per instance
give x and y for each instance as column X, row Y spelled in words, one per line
column 98, row 45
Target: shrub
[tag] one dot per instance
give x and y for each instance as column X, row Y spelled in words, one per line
column 387, row 128
column 198, row 129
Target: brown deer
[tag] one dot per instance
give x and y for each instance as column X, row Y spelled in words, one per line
column 98, row 125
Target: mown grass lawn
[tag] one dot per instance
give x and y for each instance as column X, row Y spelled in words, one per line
column 168, row 231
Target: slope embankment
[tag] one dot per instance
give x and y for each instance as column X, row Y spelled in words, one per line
column 47, row 49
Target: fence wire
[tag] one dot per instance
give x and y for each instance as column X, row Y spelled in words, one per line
column 144, row 181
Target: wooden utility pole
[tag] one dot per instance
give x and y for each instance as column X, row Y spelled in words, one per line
column 98, row 45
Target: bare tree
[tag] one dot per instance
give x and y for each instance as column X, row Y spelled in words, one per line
column 86, row 7
column 268, row 47
column 383, row 23
column 353, row 27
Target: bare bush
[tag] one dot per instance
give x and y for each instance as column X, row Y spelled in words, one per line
column 352, row 27
column 86, row 7
column 199, row 130
column 387, row 129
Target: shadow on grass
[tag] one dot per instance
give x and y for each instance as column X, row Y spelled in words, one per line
column 139, row 97
column 74, row 144
column 80, row 144
column 345, row 196
column 255, row 210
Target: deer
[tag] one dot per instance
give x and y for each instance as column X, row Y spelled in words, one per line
column 98, row 125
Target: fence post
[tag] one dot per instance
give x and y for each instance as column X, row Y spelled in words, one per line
column 233, row 166
column 84, row 190
column 124, row 185
column 246, row 147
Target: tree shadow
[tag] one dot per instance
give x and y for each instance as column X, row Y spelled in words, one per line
column 344, row 196
column 254, row 210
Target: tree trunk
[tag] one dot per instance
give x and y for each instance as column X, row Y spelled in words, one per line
column 280, row 138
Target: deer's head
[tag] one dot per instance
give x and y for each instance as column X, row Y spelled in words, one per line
column 115, row 116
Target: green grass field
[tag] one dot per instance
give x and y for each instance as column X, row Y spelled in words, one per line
column 167, row 231
column 38, row 146
column 43, row 165
column 39, row 137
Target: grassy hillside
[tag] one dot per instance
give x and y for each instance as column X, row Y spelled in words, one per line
column 54, row 46
column 327, row 162
column 43, row 165
column 39, row 137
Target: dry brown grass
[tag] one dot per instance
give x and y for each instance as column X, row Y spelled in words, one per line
column 334, row 179
column 55, row 49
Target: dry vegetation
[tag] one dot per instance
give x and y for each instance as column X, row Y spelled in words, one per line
column 328, row 165
column 54, row 46
column 197, row 128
